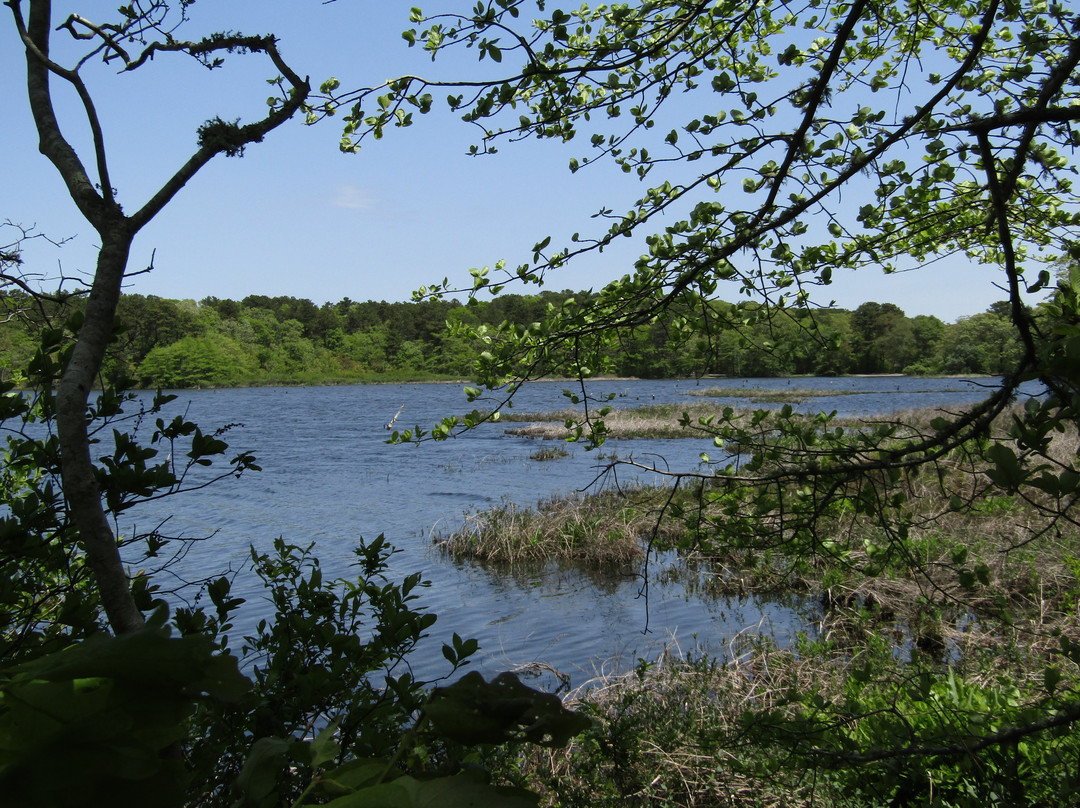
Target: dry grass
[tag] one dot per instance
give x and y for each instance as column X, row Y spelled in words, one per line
column 673, row 732
column 677, row 732
column 658, row 421
column 662, row 421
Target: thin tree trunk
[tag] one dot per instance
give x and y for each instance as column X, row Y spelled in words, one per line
column 97, row 203
column 76, row 465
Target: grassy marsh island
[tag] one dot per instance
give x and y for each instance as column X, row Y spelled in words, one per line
column 789, row 395
column 605, row 530
column 648, row 421
column 678, row 420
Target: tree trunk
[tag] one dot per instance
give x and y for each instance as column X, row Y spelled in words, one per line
column 97, row 203
column 76, row 465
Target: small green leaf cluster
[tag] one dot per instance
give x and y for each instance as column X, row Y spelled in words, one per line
column 938, row 733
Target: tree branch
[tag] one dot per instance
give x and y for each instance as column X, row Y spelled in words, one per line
column 239, row 136
column 51, row 142
column 817, row 95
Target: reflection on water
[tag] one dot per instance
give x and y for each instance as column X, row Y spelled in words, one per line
column 329, row 477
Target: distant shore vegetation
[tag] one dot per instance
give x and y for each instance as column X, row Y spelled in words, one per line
column 264, row 340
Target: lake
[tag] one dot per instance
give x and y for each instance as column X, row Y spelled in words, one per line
column 330, row 478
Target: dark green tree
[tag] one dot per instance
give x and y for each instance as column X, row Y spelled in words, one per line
column 880, row 338
column 983, row 343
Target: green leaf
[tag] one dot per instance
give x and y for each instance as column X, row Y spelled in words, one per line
column 262, row 770
column 187, row 664
column 325, row 747
column 473, row 711
column 1007, row 472
column 353, row 774
column 1051, row 678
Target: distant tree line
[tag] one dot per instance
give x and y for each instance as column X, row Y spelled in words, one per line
column 268, row 340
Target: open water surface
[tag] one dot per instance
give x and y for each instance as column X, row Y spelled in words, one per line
column 330, row 478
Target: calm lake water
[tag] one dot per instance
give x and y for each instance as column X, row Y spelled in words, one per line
column 329, row 478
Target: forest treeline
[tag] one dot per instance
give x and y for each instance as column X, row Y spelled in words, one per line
column 282, row 340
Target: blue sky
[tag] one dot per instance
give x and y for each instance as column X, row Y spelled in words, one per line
column 296, row 217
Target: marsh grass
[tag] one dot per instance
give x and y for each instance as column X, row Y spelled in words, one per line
column 695, row 730
column 658, row 421
column 947, row 583
column 605, row 530
column 986, row 592
column 662, row 421
column 549, row 453
column 655, row 737
column 788, row 395
column 942, row 589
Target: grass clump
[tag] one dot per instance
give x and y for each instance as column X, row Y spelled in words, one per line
column 657, row 739
column 682, row 420
column 549, row 453
column 695, row 419
column 608, row 529
column 657, row 421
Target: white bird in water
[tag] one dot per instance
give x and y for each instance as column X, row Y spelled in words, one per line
column 392, row 420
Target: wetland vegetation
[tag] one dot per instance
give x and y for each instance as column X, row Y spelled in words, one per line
column 971, row 600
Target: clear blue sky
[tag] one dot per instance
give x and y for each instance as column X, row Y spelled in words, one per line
column 296, row 217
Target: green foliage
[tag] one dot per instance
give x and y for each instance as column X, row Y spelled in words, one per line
column 102, row 720
column 193, row 362
column 334, row 649
column 982, row 343
column 178, row 344
column 963, row 742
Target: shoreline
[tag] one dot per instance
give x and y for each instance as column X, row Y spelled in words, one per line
column 435, row 379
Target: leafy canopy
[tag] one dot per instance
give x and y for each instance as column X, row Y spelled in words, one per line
column 789, row 141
